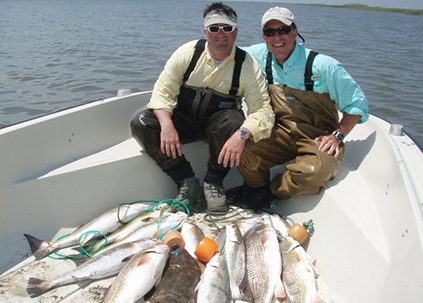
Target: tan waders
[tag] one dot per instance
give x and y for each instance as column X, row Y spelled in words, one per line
column 301, row 116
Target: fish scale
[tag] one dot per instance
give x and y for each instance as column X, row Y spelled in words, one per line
column 235, row 259
column 264, row 277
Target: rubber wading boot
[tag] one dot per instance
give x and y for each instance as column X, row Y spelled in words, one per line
column 215, row 197
column 189, row 192
column 260, row 198
column 238, row 194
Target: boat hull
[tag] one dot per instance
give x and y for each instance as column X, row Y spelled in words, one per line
column 61, row 170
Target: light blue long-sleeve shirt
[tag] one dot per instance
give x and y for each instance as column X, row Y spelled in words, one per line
column 329, row 77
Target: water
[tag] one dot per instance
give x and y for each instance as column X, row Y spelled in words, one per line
column 61, row 53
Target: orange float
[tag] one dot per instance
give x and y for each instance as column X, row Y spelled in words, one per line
column 174, row 241
column 298, row 232
column 206, row 249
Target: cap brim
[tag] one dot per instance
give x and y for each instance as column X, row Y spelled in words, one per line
column 219, row 20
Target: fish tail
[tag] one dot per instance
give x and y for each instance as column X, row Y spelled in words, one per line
column 36, row 244
column 37, row 287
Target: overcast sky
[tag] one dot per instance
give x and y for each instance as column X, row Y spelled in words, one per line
column 415, row 4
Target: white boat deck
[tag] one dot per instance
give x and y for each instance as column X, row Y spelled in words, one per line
column 63, row 170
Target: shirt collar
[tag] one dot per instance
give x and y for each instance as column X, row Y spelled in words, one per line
column 294, row 57
column 230, row 57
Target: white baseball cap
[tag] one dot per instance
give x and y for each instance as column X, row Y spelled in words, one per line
column 281, row 14
column 217, row 16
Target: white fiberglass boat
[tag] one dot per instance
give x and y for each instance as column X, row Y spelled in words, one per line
column 62, row 170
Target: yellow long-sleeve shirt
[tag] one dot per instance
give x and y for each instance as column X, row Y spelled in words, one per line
column 260, row 117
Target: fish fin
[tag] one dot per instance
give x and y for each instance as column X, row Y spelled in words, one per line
column 144, row 260
column 36, row 244
column 317, row 298
column 265, row 238
column 127, row 258
column 280, row 291
column 37, row 287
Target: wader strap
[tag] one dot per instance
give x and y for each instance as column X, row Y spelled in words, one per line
column 308, row 74
column 199, row 49
column 239, row 59
column 269, row 68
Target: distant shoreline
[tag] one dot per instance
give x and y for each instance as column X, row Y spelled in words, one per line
column 414, row 12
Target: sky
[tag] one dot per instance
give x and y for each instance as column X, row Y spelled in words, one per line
column 410, row 4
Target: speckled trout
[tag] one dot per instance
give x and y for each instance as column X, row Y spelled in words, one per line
column 106, row 223
column 235, row 259
column 153, row 230
column 214, row 284
column 135, row 224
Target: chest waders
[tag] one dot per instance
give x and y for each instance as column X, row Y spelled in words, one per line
column 199, row 115
column 200, row 101
column 300, row 117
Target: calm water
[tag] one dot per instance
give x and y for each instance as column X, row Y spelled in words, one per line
column 56, row 54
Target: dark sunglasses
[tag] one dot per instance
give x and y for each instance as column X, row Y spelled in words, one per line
column 283, row 30
column 215, row 29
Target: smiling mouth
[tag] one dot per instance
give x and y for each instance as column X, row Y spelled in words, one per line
column 279, row 45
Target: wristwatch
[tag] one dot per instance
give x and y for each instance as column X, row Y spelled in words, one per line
column 338, row 135
column 243, row 133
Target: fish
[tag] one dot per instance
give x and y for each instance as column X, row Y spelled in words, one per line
column 179, row 280
column 220, row 239
column 154, row 230
column 136, row 223
column 192, row 236
column 214, row 283
column 264, row 264
column 139, row 276
column 235, row 259
column 248, row 225
column 98, row 267
column 106, row 223
column 281, row 225
column 299, row 275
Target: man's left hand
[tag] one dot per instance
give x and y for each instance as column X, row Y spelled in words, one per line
column 330, row 145
column 232, row 151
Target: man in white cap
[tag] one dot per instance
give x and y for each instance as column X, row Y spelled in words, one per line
column 198, row 97
column 307, row 91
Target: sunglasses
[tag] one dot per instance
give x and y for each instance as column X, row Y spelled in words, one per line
column 283, row 30
column 215, row 29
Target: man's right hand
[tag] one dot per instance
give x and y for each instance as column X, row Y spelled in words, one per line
column 169, row 137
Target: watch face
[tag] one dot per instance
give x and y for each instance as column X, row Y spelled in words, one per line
column 243, row 133
column 340, row 137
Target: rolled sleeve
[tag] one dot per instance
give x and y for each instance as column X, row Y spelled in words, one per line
column 342, row 88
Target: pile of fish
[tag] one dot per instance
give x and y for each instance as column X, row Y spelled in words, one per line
column 256, row 260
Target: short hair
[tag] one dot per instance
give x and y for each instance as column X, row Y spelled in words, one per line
column 219, row 6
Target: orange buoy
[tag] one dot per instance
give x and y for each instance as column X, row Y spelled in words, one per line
column 174, row 241
column 206, row 249
column 298, row 232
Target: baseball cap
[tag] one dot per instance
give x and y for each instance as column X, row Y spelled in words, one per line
column 281, row 14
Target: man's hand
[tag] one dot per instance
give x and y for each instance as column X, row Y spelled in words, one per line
column 330, row 145
column 232, row 151
column 169, row 137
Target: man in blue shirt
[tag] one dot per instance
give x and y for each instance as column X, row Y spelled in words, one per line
column 308, row 90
